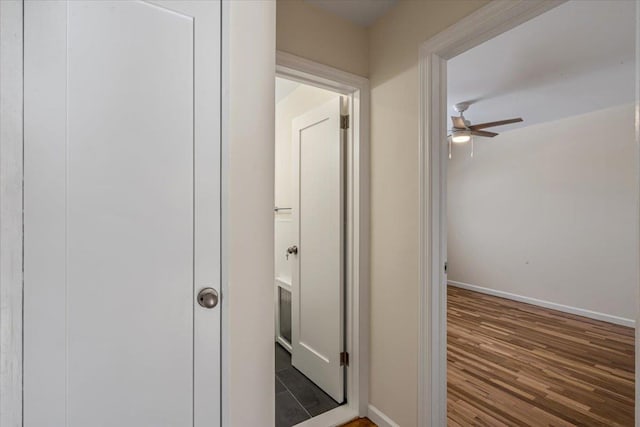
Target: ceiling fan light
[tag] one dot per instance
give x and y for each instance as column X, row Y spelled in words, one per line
column 460, row 136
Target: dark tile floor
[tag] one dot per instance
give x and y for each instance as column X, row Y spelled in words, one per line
column 297, row 398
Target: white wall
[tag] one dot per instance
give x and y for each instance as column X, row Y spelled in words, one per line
column 548, row 212
column 248, row 359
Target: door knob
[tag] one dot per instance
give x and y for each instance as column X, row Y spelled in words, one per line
column 292, row 250
column 208, row 298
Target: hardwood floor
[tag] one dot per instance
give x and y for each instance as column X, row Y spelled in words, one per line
column 362, row 422
column 514, row 364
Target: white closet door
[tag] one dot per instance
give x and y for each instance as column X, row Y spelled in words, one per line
column 122, row 202
column 318, row 274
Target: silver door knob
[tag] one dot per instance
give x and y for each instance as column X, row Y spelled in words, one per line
column 208, row 298
column 291, row 250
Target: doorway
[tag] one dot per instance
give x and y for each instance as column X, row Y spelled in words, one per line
column 485, row 24
column 309, row 251
column 330, row 106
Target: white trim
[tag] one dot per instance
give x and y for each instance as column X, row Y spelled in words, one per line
column 547, row 304
column 334, row 418
column 225, row 130
column 487, row 22
column 380, row 418
column 357, row 236
column 285, row 344
column 637, row 230
column 309, row 72
column 286, row 285
column 11, row 142
column 283, row 283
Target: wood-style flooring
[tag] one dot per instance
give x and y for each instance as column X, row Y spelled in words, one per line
column 362, row 422
column 515, row 364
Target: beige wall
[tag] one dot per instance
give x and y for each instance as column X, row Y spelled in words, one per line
column 549, row 212
column 315, row 34
column 393, row 71
column 248, row 359
column 387, row 52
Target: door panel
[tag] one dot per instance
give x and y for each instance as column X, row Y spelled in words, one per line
column 121, row 220
column 318, row 282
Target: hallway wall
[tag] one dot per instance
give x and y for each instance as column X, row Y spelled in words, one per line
column 248, row 358
column 393, row 70
column 387, row 52
column 313, row 33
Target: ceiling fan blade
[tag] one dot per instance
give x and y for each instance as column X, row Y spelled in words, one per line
column 492, row 124
column 483, row 133
column 458, row 122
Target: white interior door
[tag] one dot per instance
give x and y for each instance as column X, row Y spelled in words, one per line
column 318, row 274
column 122, row 202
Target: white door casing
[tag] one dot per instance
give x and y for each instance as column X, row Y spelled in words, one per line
column 485, row 23
column 121, row 213
column 318, row 221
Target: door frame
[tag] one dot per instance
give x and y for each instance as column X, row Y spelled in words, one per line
column 486, row 23
column 11, row 167
column 302, row 70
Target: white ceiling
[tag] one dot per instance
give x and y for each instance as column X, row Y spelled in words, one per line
column 361, row 12
column 284, row 87
column 576, row 58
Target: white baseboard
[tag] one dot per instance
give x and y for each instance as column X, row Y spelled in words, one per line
column 546, row 304
column 379, row 418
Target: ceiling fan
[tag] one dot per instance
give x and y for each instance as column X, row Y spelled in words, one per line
column 462, row 129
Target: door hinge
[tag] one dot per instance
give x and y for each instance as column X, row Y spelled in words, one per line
column 344, row 359
column 344, row 122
